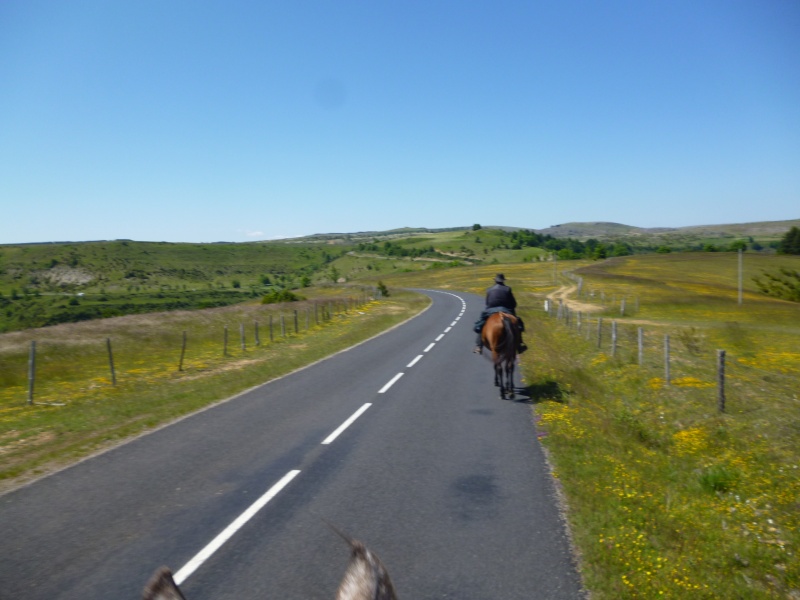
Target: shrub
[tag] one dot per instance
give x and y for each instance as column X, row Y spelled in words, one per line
column 276, row 296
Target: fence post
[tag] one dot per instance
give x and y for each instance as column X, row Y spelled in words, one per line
column 296, row 325
column 283, row 326
column 613, row 338
column 183, row 352
column 241, row 336
column 622, row 307
column 225, row 343
column 255, row 331
column 580, row 315
column 721, row 380
column 599, row 332
column 640, row 336
column 666, row 360
column 111, row 362
column 31, row 371
column 740, row 276
column 271, row 336
column 316, row 314
column 308, row 318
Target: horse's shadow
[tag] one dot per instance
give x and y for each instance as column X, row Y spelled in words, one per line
column 540, row 392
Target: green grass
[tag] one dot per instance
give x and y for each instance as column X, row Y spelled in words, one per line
column 46, row 284
column 667, row 497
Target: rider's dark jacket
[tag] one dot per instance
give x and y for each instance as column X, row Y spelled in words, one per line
column 499, row 296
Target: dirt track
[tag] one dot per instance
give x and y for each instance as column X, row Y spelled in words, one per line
column 563, row 293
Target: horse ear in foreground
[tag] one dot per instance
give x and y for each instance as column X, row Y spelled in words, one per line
column 162, row 587
column 501, row 335
column 365, row 578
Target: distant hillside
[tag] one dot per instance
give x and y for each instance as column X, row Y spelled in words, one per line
column 603, row 230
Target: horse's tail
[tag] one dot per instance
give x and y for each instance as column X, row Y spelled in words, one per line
column 509, row 342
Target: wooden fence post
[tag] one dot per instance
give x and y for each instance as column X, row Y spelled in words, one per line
column 740, row 276
column 296, row 325
column 241, row 336
column 666, row 360
column 640, row 336
column 225, row 343
column 599, row 332
column 622, row 307
column 255, row 331
column 183, row 352
column 271, row 336
column 31, row 371
column 111, row 362
column 613, row 338
column 721, row 380
column 308, row 318
column 283, row 326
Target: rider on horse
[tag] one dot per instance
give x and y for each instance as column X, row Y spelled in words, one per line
column 499, row 298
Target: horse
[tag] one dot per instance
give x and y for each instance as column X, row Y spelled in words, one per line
column 366, row 578
column 500, row 334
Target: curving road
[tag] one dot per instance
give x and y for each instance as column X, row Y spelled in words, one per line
column 400, row 441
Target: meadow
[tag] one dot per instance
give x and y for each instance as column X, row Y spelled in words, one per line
column 48, row 284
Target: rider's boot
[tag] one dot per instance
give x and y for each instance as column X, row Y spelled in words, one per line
column 478, row 345
column 522, row 346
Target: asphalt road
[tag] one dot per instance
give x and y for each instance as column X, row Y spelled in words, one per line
column 445, row 481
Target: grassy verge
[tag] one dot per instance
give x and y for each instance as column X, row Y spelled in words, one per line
column 77, row 410
column 670, row 498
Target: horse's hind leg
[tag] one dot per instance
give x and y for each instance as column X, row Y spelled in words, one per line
column 510, row 380
column 498, row 379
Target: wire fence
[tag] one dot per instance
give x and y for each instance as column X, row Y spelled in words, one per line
column 136, row 347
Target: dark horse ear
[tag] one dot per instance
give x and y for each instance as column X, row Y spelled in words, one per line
column 162, row 587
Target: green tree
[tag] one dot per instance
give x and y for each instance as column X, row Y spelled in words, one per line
column 738, row 245
column 790, row 243
column 476, row 227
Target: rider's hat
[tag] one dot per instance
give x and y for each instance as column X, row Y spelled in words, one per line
column 500, row 278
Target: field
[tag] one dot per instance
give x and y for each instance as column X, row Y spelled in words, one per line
column 48, row 284
column 667, row 495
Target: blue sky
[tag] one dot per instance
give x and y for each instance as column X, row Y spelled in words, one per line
column 236, row 121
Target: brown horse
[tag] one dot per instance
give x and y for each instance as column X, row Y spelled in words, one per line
column 501, row 335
